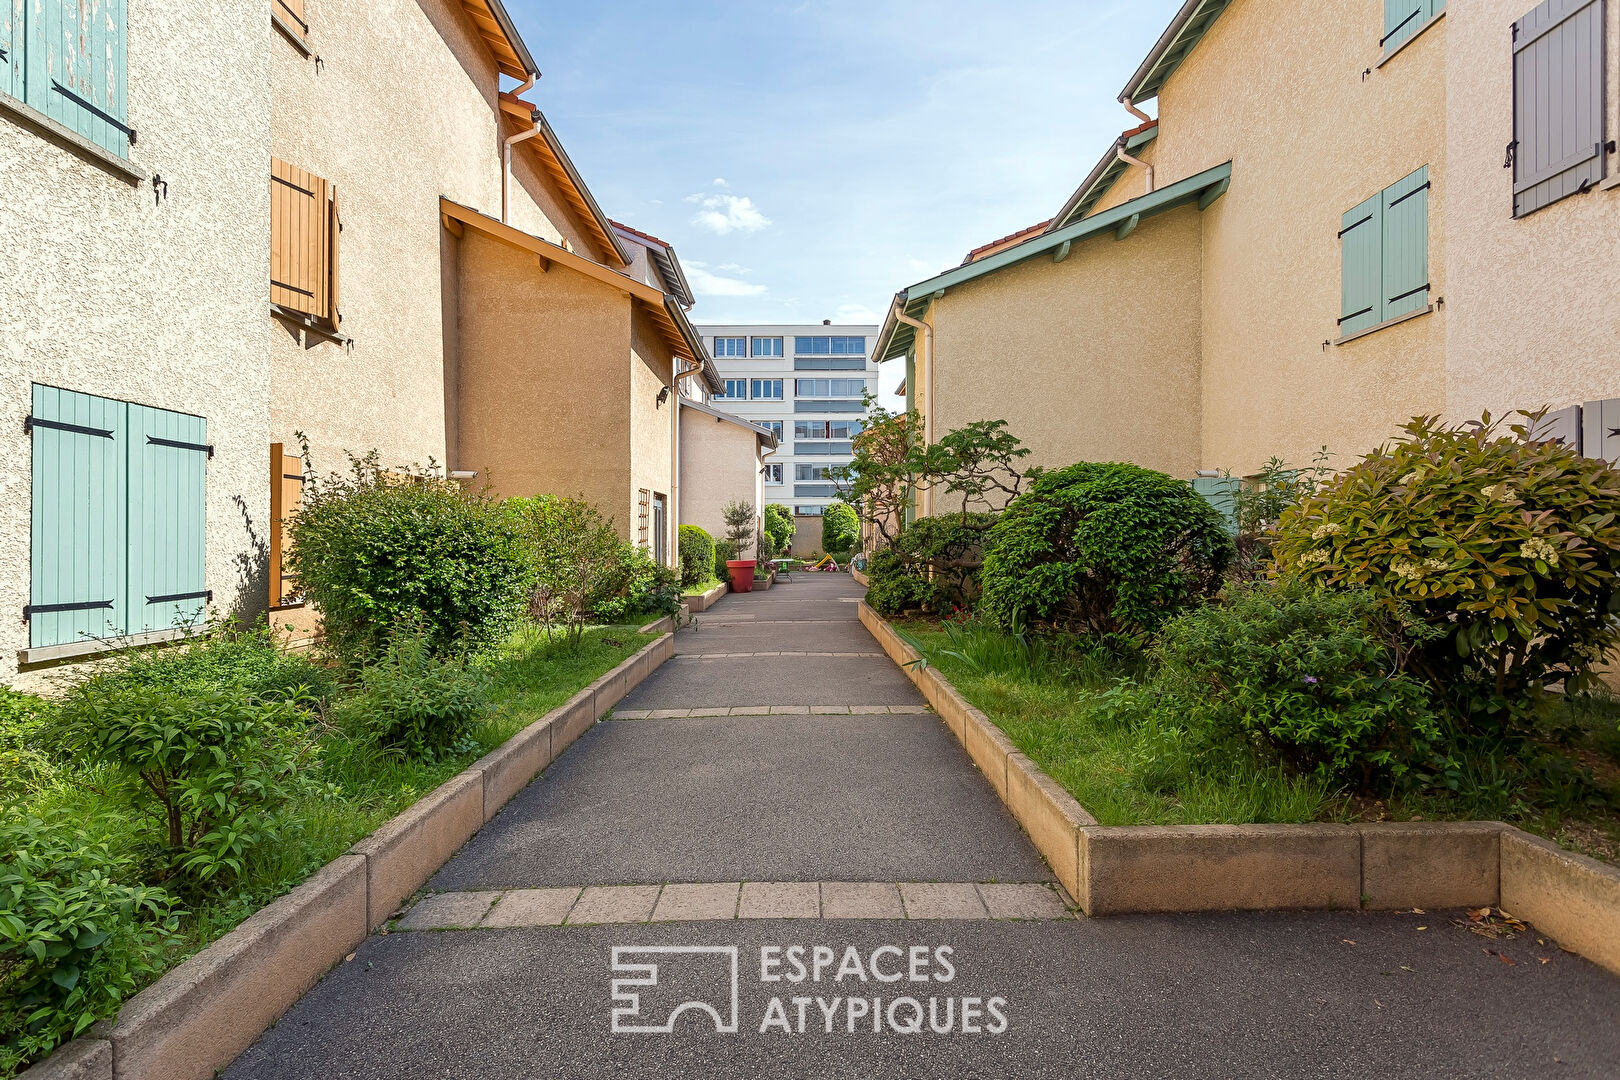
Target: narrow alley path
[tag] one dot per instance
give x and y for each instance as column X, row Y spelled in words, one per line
column 780, row 784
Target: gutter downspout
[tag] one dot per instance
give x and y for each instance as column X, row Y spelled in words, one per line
column 506, row 145
column 675, row 459
column 1119, row 147
column 928, row 388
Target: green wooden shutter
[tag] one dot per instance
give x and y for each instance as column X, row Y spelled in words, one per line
column 78, row 576
column 1403, row 18
column 11, row 40
column 1406, row 246
column 1217, row 491
column 75, row 71
column 1361, row 242
column 168, row 471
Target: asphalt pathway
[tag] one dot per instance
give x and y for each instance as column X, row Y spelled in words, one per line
column 774, row 792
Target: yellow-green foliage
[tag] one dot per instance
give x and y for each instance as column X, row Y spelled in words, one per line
column 1509, row 549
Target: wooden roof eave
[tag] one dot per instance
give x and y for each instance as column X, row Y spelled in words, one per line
column 560, row 172
column 499, row 34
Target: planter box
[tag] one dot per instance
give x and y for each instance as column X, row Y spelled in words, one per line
column 700, row 602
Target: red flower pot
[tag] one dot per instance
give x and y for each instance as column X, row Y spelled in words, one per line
column 741, row 573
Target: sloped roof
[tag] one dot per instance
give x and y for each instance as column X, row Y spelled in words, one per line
column 556, row 166
column 500, row 34
column 1103, row 175
column 1006, row 241
column 663, row 257
column 1179, row 39
column 767, row 437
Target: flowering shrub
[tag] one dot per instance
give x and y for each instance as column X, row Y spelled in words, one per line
column 1509, row 549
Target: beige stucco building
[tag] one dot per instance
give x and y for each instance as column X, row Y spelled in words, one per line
column 723, row 460
column 131, row 326
column 1315, row 240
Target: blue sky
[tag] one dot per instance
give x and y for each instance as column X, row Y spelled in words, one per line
column 808, row 160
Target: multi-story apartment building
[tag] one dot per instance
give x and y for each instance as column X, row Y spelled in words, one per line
column 805, row 384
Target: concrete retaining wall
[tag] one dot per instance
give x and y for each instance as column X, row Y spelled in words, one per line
column 197, row 1018
column 700, row 602
column 1116, row 869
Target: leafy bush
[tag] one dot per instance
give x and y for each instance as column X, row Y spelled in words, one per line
column 73, row 941
column 766, row 548
column 696, row 549
column 228, row 657
column 376, row 544
column 724, row 551
column 1312, row 675
column 650, row 589
column 840, row 529
column 1509, row 549
column 25, row 762
column 577, row 563
column 415, row 701
column 779, row 524
column 1102, row 549
column 934, row 565
column 212, row 768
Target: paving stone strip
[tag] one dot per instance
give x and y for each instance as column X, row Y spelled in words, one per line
column 727, row 901
column 750, row 655
column 770, row 710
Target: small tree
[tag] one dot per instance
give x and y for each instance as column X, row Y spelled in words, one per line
column 840, row 529
column 574, row 560
column 740, row 526
column 779, row 524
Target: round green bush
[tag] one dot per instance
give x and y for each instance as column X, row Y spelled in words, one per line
column 779, row 524
column 934, row 565
column 377, row 545
column 1507, row 548
column 696, row 550
column 1312, row 675
column 840, row 529
column 1102, row 549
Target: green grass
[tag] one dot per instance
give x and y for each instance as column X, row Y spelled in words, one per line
column 1051, row 701
column 701, row 587
column 365, row 786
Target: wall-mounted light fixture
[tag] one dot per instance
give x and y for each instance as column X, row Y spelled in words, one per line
column 663, row 395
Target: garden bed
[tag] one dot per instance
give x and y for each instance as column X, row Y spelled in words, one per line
column 1047, row 702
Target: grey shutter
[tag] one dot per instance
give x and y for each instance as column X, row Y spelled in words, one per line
column 1562, row 426
column 1600, row 430
column 1557, row 102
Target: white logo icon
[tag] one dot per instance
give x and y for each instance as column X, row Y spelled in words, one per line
column 627, row 998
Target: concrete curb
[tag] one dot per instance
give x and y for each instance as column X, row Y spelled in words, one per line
column 199, row 1016
column 658, row 626
column 1116, row 869
column 864, row 581
column 701, row 602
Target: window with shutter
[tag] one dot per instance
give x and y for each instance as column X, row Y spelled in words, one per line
column 118, row 529
column 1558, row 103
column 1384, row 244
column 1218, row 491
column 290, row 14
column 73, row 66
column 286, row 496
column 1563, row 426
column 1404, row 18
column 304, row 230
column 1600, row 430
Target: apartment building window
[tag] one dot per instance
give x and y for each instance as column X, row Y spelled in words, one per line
column 1404, row 18
column 736, row 390
column 304, row 230
column 808, row 511
column 767, row 346
column 813, row 471
column 68, row 60
column 1384, row 244
column 826, row 429
column 831, row 388
column 117, row 525
column 767, row 389
column 829, row 346
column 773, row 426
column 1558, row 107
column 773, row 473
column 730, row 346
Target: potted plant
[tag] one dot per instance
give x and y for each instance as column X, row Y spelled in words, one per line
column 740, row 525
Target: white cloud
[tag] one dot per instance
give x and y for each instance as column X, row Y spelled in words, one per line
column 734, row 268
column 719, row 181
column 707, row 283
column 722, row 214
column 855, row 313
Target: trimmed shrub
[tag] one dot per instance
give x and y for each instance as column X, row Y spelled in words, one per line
column 696, row 549
column 210, row 767
column 724, row 551
column 1508, row 549
column 840, row 529
column 577, row 565
column 1102, row 549
column 378, row 544
column 414, row 701
column 934, row 565
column 74, row 943
column 779, row 524
column 1311, row 676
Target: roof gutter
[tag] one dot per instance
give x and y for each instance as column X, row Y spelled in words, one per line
column 509, row 28
column 1160, row 47
column 509, row 142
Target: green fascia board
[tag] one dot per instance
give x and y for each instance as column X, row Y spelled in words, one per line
column 1166, row 198
column 1179, row 39
column 1091, row 194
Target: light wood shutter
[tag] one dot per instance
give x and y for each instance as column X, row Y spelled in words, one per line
column 286, row 496
column 291, row 12
column 302, row 241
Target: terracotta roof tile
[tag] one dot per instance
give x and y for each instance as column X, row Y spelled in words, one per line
column 1006, row 241
column 643, row 235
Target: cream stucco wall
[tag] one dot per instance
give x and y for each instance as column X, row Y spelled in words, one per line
column 401, row 110
column 109, row 291
column 544, row 379
column 1091, row 359
column 1279, row 90
column 719, row 462
column 652, row 426
column 1533, row 308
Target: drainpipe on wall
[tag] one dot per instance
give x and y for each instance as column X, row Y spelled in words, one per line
column 928, row 388
column 675, row 461
column 506, row 145
column 1119, row 147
